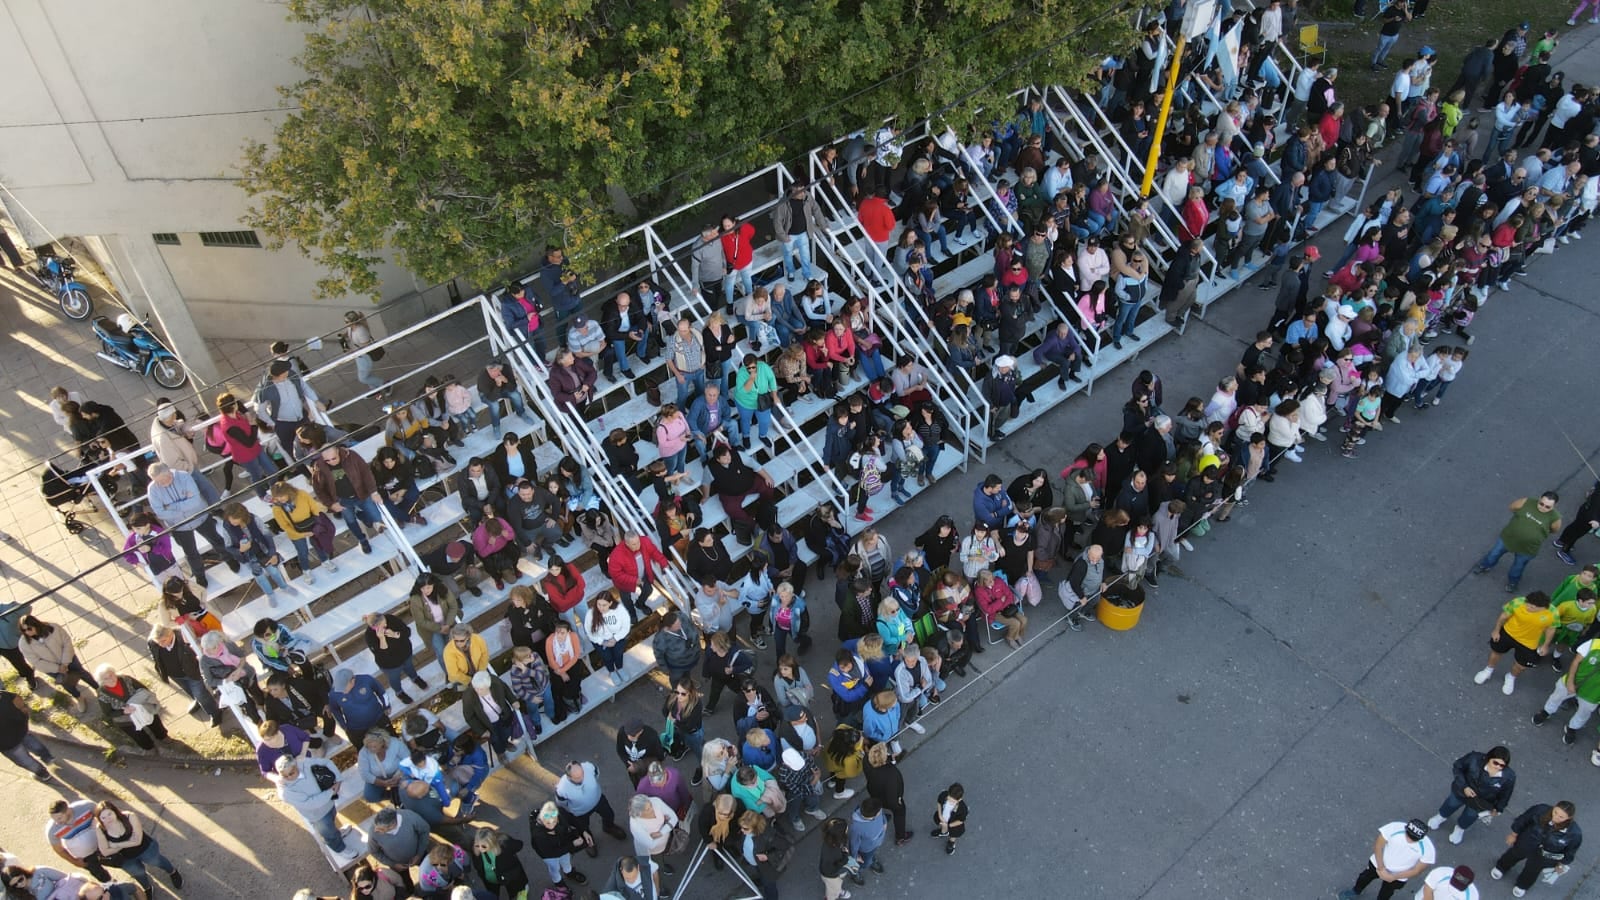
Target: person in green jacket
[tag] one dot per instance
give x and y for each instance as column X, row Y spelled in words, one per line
column 1586, row 577
column 1532, row 521
column 1573, row 620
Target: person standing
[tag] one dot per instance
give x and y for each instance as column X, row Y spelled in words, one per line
column 175, row 664
column 72, row 835
column 554, row 833
column 1543, row 837
column 125, row 844
column 837, row 860
column 1582, row 683
column 1532, row 521
column 356, row 337
column 1525, row 629
column 1449, row 883
column 888, row 787
column 1481, row 788
column 1586, row 521
column 579, row 793
column 1403, row 850
column 179, row 502
column 950, row 816
column 494, row 858
column 16, row 741
column 1394, row 16
column 311, row 786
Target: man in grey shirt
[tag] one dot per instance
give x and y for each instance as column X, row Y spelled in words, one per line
column 399, row 838
column 686, row 360
column 178, row 502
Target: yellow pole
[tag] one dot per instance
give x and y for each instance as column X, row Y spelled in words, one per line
column 1161, row 120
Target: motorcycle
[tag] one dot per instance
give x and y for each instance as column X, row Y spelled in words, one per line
column 59, row 276
column 127, row 343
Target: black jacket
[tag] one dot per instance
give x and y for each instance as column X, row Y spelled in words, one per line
column 1493, row 791
column 177, row 661
column 647, row 746
column 399, row 648
column 471, row 499
column 885, row 785
column 1533, row 835
column 472, row 706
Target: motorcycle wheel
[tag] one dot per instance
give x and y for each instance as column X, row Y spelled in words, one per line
column 168, row 372
column 75, row 304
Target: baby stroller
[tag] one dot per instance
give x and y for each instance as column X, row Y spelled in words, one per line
column 63, row 489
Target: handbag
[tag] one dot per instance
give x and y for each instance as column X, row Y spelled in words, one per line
column 1027, row 588
column 325, row 776
column 764, row 402
column 678, row 840
column 229, row 693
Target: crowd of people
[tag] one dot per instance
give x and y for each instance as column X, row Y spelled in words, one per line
column 1384, row 330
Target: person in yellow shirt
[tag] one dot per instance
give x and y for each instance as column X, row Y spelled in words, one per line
column 1525, row 629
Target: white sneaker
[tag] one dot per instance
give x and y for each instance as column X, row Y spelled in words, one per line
column 1294, row 456
column 1456, row 834
column 1184, row 543
column 311, row 577
column 272, row 600
column 1435, row 822
column 917, row 727
column 1496, row 874
column 1518, row 892
column 332, row 566
column 845, row 794
column 1509, row 685
column 1594, row 758
column 1483, row 676
column 817, row 814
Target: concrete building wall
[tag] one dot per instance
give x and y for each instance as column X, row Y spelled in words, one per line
column 122, row 121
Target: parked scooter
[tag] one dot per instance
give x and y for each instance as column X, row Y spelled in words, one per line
column 59, row 276
column 127, row 343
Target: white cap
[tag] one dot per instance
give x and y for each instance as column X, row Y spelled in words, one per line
column 1346, row 311
column 793, row 759
column 166, row 411
column 1006, row 362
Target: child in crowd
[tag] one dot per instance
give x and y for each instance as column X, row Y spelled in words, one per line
column 1365, row 418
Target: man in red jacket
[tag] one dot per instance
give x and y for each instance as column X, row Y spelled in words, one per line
column 878, row 221
column 633, row 566
column 738, row 250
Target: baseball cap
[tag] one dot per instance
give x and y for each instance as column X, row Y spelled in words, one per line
column 1006, row 362
column 1462, row 877
column 1416, row 829
column 1313, row 254
column 792, row 712
column 580, row 321
column 1426, row 51
column 1346, row 311
column 793, row 759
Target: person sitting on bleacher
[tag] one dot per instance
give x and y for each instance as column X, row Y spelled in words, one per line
column 572, row 381
column 434, row 606
column 357, row 703
column 478, row 484
column 343, row 483
column 397, row 485
column 513, row 461
column 466, row 655
column 495, row 542
column 495, row 383
column 734, row 481
column 532, row 513
column 299, row 703
column 456, row 563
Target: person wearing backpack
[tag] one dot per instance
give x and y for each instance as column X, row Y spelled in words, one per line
column 634, row 879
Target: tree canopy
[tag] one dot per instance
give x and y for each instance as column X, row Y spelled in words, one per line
column 458, row 133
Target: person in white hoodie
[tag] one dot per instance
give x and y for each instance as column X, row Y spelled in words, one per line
column 608, row 628
column 1432, row 366
column 1314, row 406
column 1338, row 330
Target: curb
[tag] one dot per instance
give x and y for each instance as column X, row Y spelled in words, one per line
column 240, row 764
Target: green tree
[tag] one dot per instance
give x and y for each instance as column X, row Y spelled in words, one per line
column 458, row 133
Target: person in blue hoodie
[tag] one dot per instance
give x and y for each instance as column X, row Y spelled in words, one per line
column 880, row 719
column 848, row 684
column 869, row 827
column 990, row 504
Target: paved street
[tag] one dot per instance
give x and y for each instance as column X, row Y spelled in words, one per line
column 1308, row 679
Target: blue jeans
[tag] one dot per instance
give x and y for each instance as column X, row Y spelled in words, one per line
column 742, row 278
column 364, row 372
column 302, row 552
column 261, row 469
column 1386, row 43
column 1127, row 317
column 941, row 234
column 867, row 857
column 929, row 454
column 138, row 867
column 693, row 383
column 269, row 576
column 358, row 511
column 871, row 362
column 762, row 417
column 512, row 397
column 404, row 509
column 675, row 461
column 1313, row 209
column 619, row 349
column 612, row 657
column 1499, row 142
column 395, row 675
column 797, row 255
column 326, row 826
column 31, row 754
column 897, row 482
column 1519, row 562
column 1469, row 816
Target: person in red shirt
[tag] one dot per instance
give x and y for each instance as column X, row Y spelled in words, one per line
column 1195, row 215
column 634, row 566
column 739, row 251
column 878, row 221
